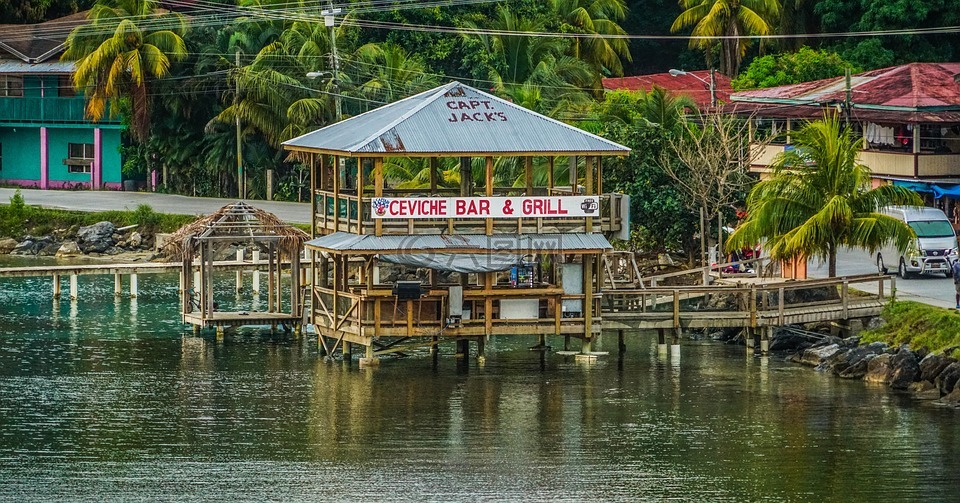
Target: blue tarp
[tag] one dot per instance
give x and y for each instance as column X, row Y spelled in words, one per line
column 938, row 190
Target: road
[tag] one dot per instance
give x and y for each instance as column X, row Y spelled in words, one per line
column 929, row 289
column 297, row 213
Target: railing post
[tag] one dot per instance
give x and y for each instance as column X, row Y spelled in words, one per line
column 780, row 305
column 676, row 308
column 844, row 288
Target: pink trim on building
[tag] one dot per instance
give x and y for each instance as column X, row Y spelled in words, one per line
column 44, row 162
column 58, row 184
column 95, row 175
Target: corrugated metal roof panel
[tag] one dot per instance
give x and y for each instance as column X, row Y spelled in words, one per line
column 694, row 84
column 916, row 87
column 531, row 243
column 13, row 66
column 454, row 119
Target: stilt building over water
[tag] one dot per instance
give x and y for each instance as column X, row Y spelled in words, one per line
column 408, row 251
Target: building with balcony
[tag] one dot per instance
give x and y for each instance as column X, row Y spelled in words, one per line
column 400, row 265
column 908, row 118
column 46, row 141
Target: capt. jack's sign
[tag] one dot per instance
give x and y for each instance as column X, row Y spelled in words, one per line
column 485, row 207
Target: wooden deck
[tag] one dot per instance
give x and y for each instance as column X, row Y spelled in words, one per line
column 240, row 319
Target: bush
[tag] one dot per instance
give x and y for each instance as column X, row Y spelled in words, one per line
column 918, row 325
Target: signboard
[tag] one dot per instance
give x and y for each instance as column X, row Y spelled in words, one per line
column 485, row 207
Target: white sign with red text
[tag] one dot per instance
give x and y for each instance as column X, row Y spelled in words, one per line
column 485, row 207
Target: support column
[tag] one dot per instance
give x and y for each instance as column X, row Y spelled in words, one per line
column 488, row 188
column 133, row 286
column 117, row 285
column 587, row 346
column 347, row 351
column 44, row 160
column 370, row 360
column 463, row 348
column 481, row 348
column 661, row 340
column 95, row 175
column 73, row 287
column 621, row 345
column 256, row 271
column 765, row 340
column 56, row 286
column 239, row 271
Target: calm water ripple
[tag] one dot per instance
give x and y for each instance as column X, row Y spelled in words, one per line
column 111, row 399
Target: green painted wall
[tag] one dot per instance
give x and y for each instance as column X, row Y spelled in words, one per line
column 21, row 153
column 111, row 155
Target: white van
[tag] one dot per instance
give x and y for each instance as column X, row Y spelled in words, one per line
column 934, row 250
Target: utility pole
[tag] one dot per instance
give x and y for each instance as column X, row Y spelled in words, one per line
column 329, row 20
column 848, row 97
column 241, row 190
column 713, row 88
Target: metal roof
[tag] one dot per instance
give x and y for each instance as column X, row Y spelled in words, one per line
column 694, row 84
column 466, row 243
column 41, row 41
column 453, row 119
column 916, row 92
column 13, row 66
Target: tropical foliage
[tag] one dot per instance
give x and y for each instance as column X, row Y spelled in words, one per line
column 805, row 65
column 819, row 200
column 126, row 44
column 730, row 19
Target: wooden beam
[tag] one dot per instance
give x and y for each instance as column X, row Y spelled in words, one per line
column 378, row 190
column 433, row 174
column 488, row 187
column 336, row 193
column 313, row 196
column 359, row 195
column 588, row 188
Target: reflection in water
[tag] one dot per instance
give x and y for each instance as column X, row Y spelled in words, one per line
column 120, row 402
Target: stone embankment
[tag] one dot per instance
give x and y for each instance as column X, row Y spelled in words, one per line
column 924, row 375
column 97, row 240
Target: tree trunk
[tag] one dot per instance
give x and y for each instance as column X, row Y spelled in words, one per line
column 832, row 262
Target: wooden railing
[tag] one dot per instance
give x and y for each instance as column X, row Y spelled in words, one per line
column 752, row 305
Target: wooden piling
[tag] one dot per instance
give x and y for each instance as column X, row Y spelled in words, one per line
column 117, row 285
column 56, row 286
column 239, row 271
column 133, row 286
column 256, row 272
column 73, row 287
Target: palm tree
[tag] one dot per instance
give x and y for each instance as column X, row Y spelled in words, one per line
column 390, row 73
column 517, row 56
column 726, row 18
column 596, row 17
column 126, row 43
column 819, row 199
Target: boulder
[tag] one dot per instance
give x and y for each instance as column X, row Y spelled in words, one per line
column 96, row 238
column 879, row 369
column 816, row 355
column 7, row 245
column 136, row 239
column 924, row 390
column 31, row 245
column 68, row 249
column 874, row 323
column 853, row 363
column 905, row 369
column 952, row 399
column 857, row 369
column 785, row 340
column 49, row 249
column 947, row 380
column 932, row 365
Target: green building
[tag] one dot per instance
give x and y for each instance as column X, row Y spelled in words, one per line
column 46, row 141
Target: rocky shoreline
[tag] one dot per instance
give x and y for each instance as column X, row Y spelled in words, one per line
column 926, row 376
column 99, row 240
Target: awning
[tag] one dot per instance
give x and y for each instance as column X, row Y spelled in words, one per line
column 457, row 262
column 506, row 244
column 937, row 189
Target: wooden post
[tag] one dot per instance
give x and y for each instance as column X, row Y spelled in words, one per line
column 488, row 187
column 295, row 308
column 336, row 193
column 845, row 299
column 550, row 174
column 73, row 287
column 313, row 195
column 256, row 271
column 621, row 345
column 117, row 285
column 588, row 189
column 765, row 340
column 433, row 175
column 572, row 174
column 133, row 286
column 271, row 277
column 359, row 195
column 661, row 340
column 587, row 346
column 239, row 271
column 488, row 303
column 378, row 191
column 56, row 286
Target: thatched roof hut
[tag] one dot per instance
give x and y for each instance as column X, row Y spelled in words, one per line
column 237, row 223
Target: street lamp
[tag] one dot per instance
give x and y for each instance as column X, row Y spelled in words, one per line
column 336, row 89
column 711, row 84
